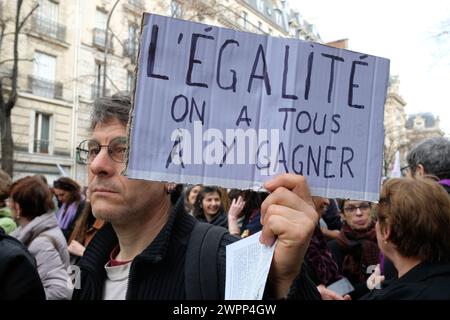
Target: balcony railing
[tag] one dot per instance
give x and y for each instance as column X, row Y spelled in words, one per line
column 41, row 146
column 48, row 28
column 99, row 37
column 45, row 88
column 97, row 91
column 6, row 77
column 237, row 21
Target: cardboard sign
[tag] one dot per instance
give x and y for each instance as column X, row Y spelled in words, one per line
column 221, row 107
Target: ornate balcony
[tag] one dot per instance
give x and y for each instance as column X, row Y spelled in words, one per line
column 45, row 88
column 99, row 37
column 49, row 28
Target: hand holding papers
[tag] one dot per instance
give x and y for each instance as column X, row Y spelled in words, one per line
column 248, row 264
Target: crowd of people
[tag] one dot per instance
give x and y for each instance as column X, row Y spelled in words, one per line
column 132, row 239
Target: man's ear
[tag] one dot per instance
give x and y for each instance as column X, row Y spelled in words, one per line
column 420, row 170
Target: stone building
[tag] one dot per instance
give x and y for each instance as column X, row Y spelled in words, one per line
column 395, row 138
column 421, row 126
column 74, row 51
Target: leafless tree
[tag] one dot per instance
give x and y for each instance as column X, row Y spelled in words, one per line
column 8, row 96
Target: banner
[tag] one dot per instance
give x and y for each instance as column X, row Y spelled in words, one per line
column 216, row 106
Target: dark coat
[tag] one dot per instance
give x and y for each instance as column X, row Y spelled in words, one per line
column 157, row 273
column 19, row 278
column 220, row 219
column 426, row 281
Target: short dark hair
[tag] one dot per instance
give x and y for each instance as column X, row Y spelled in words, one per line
column 106, row 109
column 434, row 155
column 32, row 195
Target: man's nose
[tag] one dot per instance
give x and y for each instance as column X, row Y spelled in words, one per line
column 102, row 163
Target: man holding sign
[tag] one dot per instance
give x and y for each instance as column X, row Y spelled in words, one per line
column 219, row 107
column 141, row 254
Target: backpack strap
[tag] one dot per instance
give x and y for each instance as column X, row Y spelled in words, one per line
column 201, row 278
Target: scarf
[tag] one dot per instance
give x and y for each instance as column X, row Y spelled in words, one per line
column 445, row 182
column 360, row 250
column 65, row 215
column 320, row 259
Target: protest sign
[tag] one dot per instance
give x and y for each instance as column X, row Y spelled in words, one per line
column 221, row 107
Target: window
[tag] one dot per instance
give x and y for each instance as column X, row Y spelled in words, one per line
column 132, row 42
column 42, row 83
column 175, row 9
column 244, row 19
column 101, row 17
column 97, row 86
column 44, row 66
column 45, row 21
column 42, row 130
column 278, row 17
column 260, row 5
column 48, row 9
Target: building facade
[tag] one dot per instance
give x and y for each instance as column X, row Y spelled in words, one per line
column 421, row 126
column 395, row 137
column 74, row 51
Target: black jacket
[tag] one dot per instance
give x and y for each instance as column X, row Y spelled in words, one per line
column 156, row 273
column 426, row 281
column 19, row 278
column 159, row 271
column 220, row 219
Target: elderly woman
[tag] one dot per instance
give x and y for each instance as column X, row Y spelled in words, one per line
column 355, row 248
column 413, row 231
column 38, row 230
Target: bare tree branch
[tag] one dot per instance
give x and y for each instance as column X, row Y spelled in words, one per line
column 12, row 60
column 112, row 82
column 2, row 33
column 22, row 23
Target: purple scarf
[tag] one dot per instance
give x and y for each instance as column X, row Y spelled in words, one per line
column 65, row 217
column 445, row 182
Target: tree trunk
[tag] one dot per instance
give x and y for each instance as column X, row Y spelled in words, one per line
column 7, row 145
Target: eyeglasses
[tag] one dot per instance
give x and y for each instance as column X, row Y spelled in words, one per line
column 405, row 170
column 352, row 209
column 89, row 149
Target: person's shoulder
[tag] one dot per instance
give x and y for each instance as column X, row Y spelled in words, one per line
column 11, row 248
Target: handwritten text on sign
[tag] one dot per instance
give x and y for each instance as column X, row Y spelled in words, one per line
column 218, row 106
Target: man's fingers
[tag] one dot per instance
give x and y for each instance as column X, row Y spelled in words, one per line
column 284, row 197
column 280, row 221
column 296, row 183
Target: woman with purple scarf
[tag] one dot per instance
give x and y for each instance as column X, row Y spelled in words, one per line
column 68, row 193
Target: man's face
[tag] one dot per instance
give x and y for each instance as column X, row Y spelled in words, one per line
column 115, row 198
